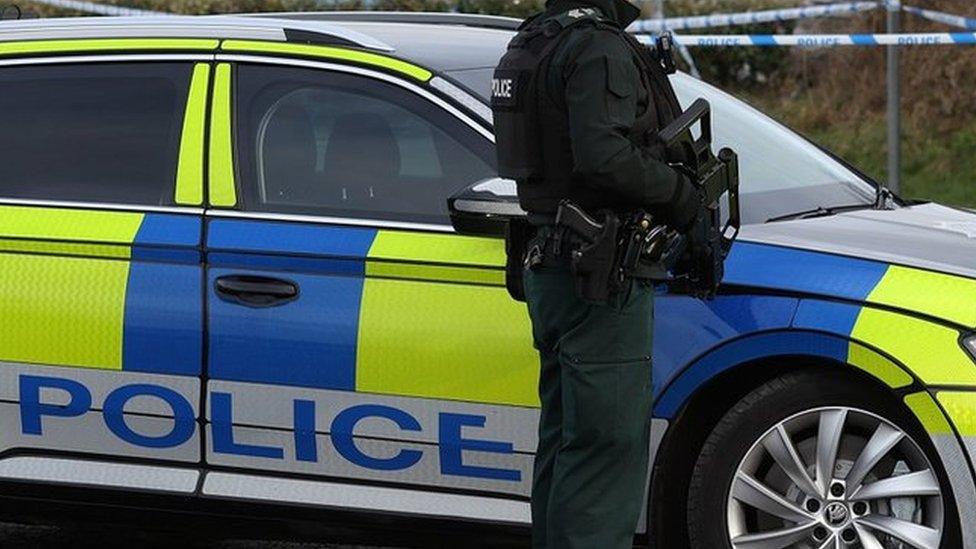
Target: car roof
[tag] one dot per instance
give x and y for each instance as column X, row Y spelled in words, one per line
column 445, row 48
column 460, row 46
column 177, row 26
column 425, row 17
column 442, row 42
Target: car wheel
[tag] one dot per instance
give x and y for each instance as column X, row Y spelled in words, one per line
column 814, row 461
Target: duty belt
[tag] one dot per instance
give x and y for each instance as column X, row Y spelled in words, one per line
column 602, row 254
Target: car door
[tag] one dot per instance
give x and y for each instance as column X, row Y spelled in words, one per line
column 101, row 324
column 353, row 337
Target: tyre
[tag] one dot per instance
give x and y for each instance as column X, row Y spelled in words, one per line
column 812, row 460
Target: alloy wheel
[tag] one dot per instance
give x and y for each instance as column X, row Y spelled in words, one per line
column 835, row 478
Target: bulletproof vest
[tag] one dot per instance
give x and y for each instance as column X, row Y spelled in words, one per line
column 515, row 91
column 532, row 135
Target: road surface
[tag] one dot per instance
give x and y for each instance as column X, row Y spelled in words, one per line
column 13, row 536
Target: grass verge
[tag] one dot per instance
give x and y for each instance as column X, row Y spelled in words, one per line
column 937, row 166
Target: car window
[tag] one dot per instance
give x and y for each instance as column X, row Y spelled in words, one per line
column 780, row 171
column 323, row 143
column 476, row 80
column 93, row 132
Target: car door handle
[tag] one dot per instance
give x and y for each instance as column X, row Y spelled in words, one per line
column 256, row 291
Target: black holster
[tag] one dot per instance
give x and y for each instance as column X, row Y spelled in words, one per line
column 594, row 264
column 518, row 231
column 594, row 246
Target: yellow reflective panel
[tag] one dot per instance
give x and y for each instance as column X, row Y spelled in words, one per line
column 189, row 174
column 330, row 52
column 413, row 271
column 223, row 188
column 928, row 413
column 105, row 44
column 931, row 351
column 951, row 298
column 878, row 366
column 961, row 408
column 62, row 310
column 62, row 224
column 446, row 341
column 432, row 256
column 117, row 251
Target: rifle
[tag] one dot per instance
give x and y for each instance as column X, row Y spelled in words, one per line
column 696, row 260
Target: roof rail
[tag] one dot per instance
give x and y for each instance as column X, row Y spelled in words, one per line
column 190, row 26
column 430, row 18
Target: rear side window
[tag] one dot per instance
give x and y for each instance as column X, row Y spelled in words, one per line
column 324, row 143
column 92, row 133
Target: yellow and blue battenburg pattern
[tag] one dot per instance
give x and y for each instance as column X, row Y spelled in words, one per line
column 388, row 312
column 418, row 314
column 897, row 324
column 426, row 315
column 101, row 289
column 107, row 289
column 411, row 313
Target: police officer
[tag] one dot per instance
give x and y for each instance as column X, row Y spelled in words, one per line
column 577, row 102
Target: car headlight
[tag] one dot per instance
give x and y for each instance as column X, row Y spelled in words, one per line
column 968, row 342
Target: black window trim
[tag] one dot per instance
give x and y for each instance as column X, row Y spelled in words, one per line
column 105, row 59
column 239, row 210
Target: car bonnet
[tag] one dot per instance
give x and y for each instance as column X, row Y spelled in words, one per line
column 918, row 259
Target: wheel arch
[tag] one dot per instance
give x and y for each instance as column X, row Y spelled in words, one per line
column 698, row 398
column 771, row 347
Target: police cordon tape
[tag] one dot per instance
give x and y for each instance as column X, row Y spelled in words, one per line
column 751, row 17
column 793, row 14
column 648, row 25
column 820, row 40
column 942, row 17
column 718, row 20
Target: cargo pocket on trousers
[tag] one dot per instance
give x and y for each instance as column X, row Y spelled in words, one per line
column 619, row 332
column 607, row 403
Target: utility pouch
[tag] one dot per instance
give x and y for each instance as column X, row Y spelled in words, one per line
column 643, row 247
column 515, row 117
column 518, row 231
column 593, row 261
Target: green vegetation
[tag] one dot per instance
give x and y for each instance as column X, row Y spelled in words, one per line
column 938, row 164
column 934, row 167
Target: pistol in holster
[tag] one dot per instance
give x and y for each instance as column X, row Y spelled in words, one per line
column 606, row 253
column 592, row 250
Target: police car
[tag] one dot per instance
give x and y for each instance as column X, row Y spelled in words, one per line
column 230, row 285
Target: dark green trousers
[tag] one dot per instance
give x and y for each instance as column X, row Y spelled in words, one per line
column 595, row 385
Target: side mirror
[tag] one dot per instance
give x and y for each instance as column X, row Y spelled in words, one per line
column 483, row 209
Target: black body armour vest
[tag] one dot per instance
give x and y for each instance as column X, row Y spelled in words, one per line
column 531, row 128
